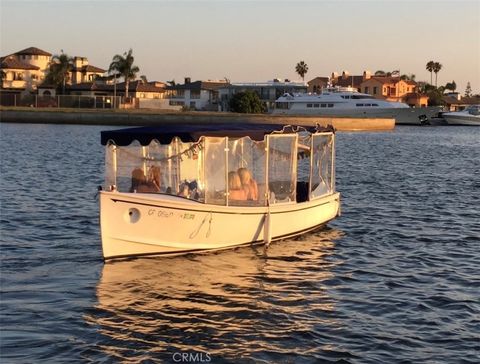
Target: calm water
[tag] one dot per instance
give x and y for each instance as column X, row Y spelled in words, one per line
column 395, row 279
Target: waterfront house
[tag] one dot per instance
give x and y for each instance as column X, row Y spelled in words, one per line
column 388, row 88
column 347, row 80
column 198, row 95
column 317, row 84
column 144, row 94
column 82, row 71
column 23, row 71
column 455, row 102
column 394, row 89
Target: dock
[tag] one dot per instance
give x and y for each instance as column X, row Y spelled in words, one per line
column 144, row 117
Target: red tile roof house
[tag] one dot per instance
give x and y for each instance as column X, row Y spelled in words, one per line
column 23, row 71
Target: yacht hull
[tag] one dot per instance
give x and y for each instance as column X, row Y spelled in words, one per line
column 134, row 224
column 402, row 116
column 468, row 120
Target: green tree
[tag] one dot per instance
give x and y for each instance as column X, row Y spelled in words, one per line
column 58, row 73
column 468, row 90
column 114, row 72
column 247, row 102
column 124, row 66
column 410, row 77
column 436, row 68
column 380, row 73
column 301, row 68
column 451, row 86
column 430, row 65
column 435, row 97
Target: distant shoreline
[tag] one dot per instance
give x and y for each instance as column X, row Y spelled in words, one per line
column 145, row 117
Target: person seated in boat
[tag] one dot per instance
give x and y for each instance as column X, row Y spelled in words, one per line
column 248, row 183
column 184, row 190
column 139, row 181
column 235, row 188
column 154, row 179
column 189, row 190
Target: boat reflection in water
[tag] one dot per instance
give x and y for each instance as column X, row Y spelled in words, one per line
column 246, row 302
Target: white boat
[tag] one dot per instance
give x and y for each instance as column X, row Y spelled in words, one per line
column 348, row 102
column 174, row 189
column 468, row 116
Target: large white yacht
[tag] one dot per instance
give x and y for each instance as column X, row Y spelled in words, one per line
column 348, row 102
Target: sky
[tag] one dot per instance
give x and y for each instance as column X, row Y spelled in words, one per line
column 255, row 41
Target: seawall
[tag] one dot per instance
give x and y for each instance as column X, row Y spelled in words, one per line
column 150, row 118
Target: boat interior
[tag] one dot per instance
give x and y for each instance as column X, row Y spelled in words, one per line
column 289, row 165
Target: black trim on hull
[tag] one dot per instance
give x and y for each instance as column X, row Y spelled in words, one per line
column 223, row 212
column 181, row 252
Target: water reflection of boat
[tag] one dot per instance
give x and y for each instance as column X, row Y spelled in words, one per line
column 180, row 189
column 215, row 303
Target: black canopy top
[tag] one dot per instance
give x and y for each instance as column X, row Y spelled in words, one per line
column 192, row 132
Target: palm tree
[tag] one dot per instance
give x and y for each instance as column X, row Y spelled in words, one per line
column 59, row 69
column 410, row 77
column 429, row 68
column 124, row 66
column 301, row 68
column 436, row 68
column 114, row 70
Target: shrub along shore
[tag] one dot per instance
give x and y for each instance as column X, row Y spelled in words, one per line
column 145, row 117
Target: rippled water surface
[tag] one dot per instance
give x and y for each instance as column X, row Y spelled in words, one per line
column 395, row 279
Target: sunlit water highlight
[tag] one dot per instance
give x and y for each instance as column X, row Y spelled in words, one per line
column 395, row 279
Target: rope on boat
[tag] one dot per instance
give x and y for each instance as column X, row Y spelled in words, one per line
column 195, row 233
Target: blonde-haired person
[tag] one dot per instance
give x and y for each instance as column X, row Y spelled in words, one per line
column 248, row 184
column 235, row 188
column 154, row 179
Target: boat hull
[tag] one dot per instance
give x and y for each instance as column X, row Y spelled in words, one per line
column 467, row 120
column 402, row 116
column 134, row 224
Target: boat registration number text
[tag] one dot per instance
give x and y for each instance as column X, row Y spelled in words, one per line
column 168, row 214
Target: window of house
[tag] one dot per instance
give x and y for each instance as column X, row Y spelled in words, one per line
column 359, row 105
column 179, row 93
column 384, row 90
column 366, row 90
column 35, row 57
column 374, row 90
column 309, row 105
column 316, row 105
column 330, row 105
column 323, row 105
